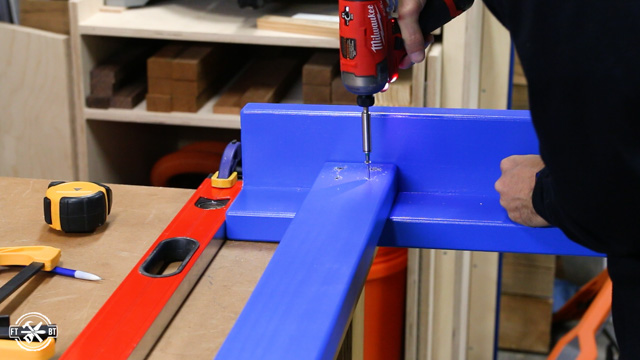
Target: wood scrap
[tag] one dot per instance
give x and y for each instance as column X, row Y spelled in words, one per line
column 160, row 86
column 159, row 64
column 258, row 85
column 158, row 102
column 45, row 15
column 129, row 95
column 98, row 102
column 528, row 274
column 123, row 64
column 321, row 68
column 525, row 323
column 298, row 25
column 200, row 62
column 188, row 88
column 191, row 103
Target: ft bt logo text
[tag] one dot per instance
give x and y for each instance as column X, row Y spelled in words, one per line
column 33, row 331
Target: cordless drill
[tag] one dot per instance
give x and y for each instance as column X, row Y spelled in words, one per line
column 371, row 47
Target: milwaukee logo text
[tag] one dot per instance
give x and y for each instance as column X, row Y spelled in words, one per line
column 377, row 37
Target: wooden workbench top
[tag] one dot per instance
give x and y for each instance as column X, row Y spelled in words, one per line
column 138, row 216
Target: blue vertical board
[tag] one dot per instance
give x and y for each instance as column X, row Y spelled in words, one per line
column 447, row 160
column 301, row 306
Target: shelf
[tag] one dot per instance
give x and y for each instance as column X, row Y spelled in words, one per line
column 203, row 118
column 206, row 20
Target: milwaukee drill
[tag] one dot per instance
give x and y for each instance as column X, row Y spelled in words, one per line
column 371, row 47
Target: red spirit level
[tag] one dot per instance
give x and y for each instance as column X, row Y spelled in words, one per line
column 132, row 319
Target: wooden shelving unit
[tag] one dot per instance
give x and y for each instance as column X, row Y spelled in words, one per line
column 206, row 20
column 203, row 118
column 97, row 31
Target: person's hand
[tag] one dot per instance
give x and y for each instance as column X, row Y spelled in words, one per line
column 414, row 42
column 516, row 187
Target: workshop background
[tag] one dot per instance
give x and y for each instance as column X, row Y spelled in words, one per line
column 93, row 90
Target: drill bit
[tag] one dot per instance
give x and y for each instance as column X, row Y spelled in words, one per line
column 365, row 101
column 366, row 138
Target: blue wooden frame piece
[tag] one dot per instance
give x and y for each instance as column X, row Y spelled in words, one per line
column 447, row 159
column 437, row 194
column 302, row 304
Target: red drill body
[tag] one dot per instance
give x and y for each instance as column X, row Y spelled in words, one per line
column 371, row 47
column 367, row 59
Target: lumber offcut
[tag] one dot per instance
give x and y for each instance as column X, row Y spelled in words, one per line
column 45, row 15
column 298, row 25
column 191, row 103
column 525, row 323
column 129, row 95
column 321, row 68
column 98, row 101
column 160, row 86
column 111, row 74
column 199, row 62
column 160, row 64
column 264, row 80
column 159, row 102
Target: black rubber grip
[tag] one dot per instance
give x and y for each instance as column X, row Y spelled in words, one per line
column 83, row 214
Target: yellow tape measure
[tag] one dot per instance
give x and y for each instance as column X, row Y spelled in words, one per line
column 77, row 206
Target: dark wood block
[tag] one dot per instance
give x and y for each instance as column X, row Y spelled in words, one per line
column 159, row 64
column 158, row 102
column 130, row 95
column 321, row 68
column 126, row 62
column 316, row 94
column 101, row 87
column 97, row 101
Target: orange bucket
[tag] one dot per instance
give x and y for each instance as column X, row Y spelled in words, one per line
column 384, row 305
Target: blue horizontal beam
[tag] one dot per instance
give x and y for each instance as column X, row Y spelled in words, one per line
column 447, row 160
column 301, row 306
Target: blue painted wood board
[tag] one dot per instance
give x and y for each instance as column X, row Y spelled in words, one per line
column 447, row 160
column 301, row 306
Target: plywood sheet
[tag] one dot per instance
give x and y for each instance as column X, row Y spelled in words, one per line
column 35, row 104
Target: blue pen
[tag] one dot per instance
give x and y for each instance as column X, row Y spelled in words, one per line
column 58, row 270
column 75, row 273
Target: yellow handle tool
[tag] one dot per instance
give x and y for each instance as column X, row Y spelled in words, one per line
column 25, row 255
column 77, row 206
column 35, row 258
column 10, row 349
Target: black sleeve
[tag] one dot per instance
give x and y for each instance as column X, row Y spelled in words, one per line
column 542, row 197
column 581, row 63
